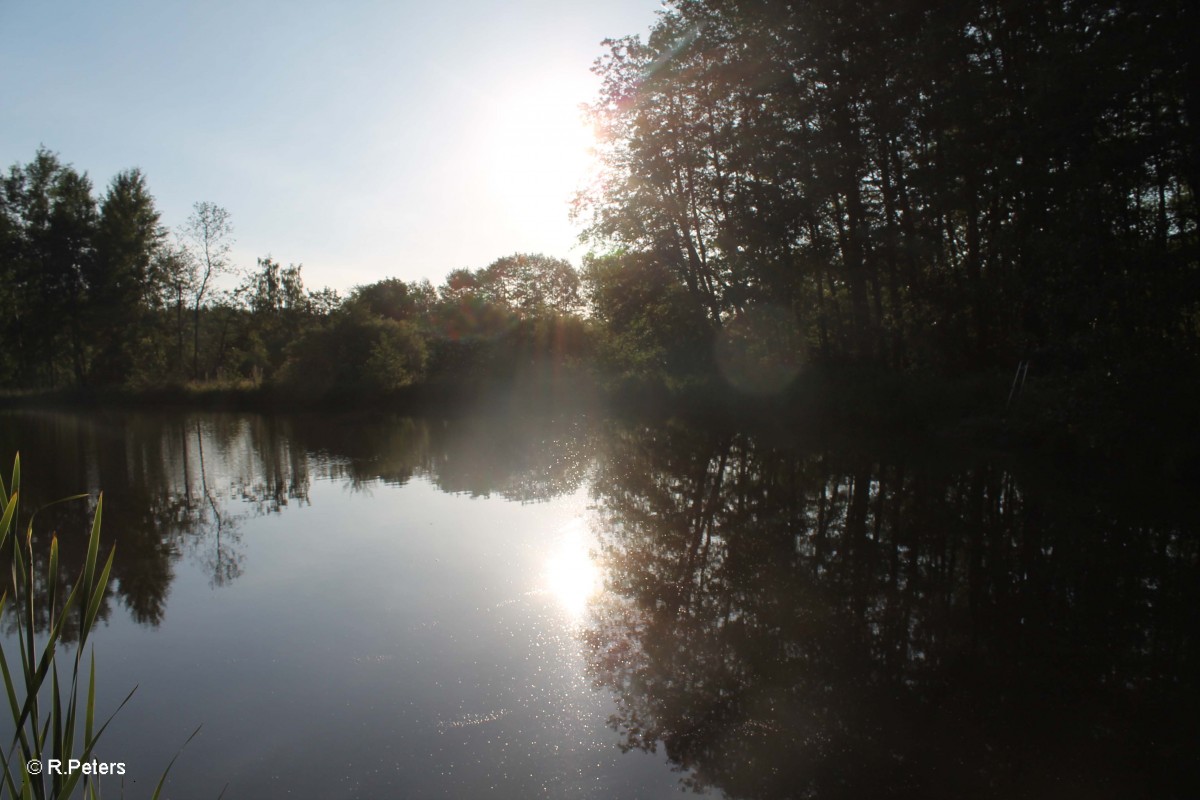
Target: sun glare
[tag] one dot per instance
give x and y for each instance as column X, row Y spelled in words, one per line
column 572, row 576
column 538, row 153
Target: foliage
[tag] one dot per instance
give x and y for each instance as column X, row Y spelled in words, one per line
column 125, row 300
column 651, row 325
column 531, row 284
column 355, row 352
column 77, row 276
column 917, row 184
column 278, row 311
column 120, row 281
column 50, row 221
column 395, row 299
column 174, row 276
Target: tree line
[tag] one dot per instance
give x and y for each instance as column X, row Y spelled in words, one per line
column 918, row 185
column 97, row 292
column 914, row 186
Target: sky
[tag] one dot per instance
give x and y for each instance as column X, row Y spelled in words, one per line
column 363, row 140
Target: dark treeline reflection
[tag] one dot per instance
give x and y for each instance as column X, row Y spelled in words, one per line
column 793, row 623
column 181, row 486
column 173, row 486
column 783, row 621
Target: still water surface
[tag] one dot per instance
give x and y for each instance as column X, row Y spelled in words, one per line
column 375, row 606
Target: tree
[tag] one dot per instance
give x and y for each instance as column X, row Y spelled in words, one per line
column 652, row 324
column 531, row 284
column 279, row 310
column 174, row 278
column 208, row 238
column 120, row 283
column 394, row 299
column 50, row 218
column 355, row 351
column 917, row 183
column 70, row 251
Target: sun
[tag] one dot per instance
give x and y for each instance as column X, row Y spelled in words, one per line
column 539, row 152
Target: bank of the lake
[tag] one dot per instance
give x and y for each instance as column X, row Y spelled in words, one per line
column 1145, row 422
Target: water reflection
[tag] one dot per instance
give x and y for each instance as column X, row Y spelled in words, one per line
column 813, row 623
column 779, row 621
column 526, row 459
column 183, row 486
column 572, row 574
column 171, row 483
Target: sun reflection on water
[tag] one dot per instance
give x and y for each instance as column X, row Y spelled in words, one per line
column 572, row 575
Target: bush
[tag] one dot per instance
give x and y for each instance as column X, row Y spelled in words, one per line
column 355, row 352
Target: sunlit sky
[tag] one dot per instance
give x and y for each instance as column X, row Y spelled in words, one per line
column 364, row 140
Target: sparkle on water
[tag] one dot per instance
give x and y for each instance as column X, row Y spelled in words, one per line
column 572, row 575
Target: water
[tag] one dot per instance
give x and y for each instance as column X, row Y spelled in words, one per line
column 373, row 606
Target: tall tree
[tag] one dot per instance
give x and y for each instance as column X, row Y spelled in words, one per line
column 279, row 308
column 11, row 242
column 208, row 237
column 918, row 183
column 120, row 283
column 37, row 286
column 70, row 253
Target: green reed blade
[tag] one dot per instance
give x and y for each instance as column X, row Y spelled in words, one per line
column 97, row 597
column 89, row 565
column 73, row 779
column 10, row 510
column 163, row 779
column 90, row 717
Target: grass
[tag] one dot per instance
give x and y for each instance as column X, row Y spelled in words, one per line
column 49, row 727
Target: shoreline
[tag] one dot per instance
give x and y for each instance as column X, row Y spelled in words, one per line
column 969, row 412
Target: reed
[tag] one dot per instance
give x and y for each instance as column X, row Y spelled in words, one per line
column 52, row 703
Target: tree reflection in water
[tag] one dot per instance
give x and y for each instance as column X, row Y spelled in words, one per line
column 782, row 621
column 790, row 623
column 175, row 485
column 181, row 485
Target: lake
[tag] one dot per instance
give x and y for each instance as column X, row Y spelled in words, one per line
column 368, row 605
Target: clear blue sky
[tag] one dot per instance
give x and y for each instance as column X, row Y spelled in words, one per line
column 364, row 140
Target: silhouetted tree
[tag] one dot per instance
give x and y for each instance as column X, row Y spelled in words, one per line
column 207, row 237
column 121, row 281
column 918, row 184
